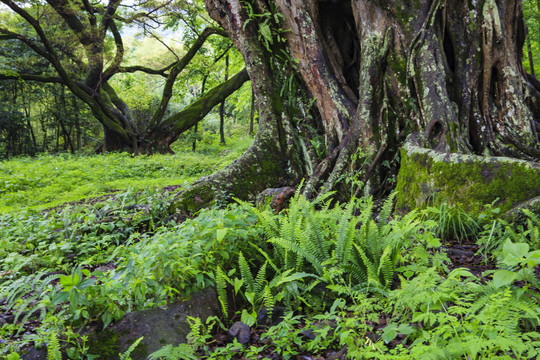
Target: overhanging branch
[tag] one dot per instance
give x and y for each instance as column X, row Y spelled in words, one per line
column 177, row 69
column 32, row 77
column 196, row 111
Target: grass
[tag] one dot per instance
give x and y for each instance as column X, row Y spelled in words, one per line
column 50, row 180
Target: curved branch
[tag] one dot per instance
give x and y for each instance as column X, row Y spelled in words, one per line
column 119, row 52
column 196, row 111
column 177, row 69
column 64, row 9
column 32, row 77
column 144, row 69
column 8, row 35
column 107, row 19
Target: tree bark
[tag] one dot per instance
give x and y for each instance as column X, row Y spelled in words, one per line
column 364, row 74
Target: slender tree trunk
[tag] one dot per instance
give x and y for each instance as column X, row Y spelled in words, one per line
column 222, row 107
column 196, row 127
column 252, row 112
column 529, row 51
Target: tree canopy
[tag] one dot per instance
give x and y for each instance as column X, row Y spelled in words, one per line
column 81, row 46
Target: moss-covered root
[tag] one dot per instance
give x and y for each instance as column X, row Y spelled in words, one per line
column 470, row 181
column 258, row 169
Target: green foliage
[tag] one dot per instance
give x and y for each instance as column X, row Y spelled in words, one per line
column 49, row 180
column 462, row 319
column 327, row 264
column 519, row 264
column 169, row 352
column 531, row 12
column 452, row 222
column 363, row 251
column 127, row 354
column 53, row 348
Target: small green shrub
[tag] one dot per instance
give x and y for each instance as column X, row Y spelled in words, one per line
column 452, row 222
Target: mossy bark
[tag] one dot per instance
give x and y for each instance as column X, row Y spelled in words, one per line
column 428, row 177
column 369, row 73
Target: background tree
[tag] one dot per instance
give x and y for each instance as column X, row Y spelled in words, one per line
column 531, row 10
column 83, row 67
column 340, row 84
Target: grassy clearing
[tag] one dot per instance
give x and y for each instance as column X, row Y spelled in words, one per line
column 50, row 180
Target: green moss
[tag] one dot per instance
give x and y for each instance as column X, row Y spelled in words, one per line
column 194, row 199
column 105, row 344
column 398, row 64
column 427, row 177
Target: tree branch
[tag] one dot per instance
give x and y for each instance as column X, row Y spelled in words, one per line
column 177, row 68
column 119, row 52
column 196, row 111
column 32, row 77
column 8, row 35
column 107, row 19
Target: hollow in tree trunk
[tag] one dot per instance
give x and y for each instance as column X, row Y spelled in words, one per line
column 339, row 84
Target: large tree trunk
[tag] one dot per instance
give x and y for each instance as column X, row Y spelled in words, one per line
column 368, row 73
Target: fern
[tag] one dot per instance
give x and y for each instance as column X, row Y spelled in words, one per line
column 169, row 352
column 126, row 355
column 260, row 280
column 346, row 234
column 386, row 209
column 221, row 288
column 53, row 348
column 245, row 271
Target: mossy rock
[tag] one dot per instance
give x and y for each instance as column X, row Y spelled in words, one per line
column 427, row 177
column 160, row 326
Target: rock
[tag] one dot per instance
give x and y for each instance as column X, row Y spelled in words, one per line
column 267, row 317
column 308, row 334
column 340, row 355
column 532, row 205
column 240, row 332
column 35, row 353
column 427, row 177
column 9, row 318
column 277, row 198
column 160, row 326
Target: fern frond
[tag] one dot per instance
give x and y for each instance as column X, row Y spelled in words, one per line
column 371, row 270
column 386, row 267
column 169, row 352
column 386, row 209
column 269, row 223
column 53, row 348
column 357, row 271
column 221, row 288
column 268, row 299
column 260, row 280
column 266, row 256
column 245, row 271
column 346, row 234
column 285, row 278
column 300, row 251
column 127, row 354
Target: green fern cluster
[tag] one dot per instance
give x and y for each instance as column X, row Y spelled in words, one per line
column 169, row 352
column 313, row 237
column 462, row 319
column 29, row 296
